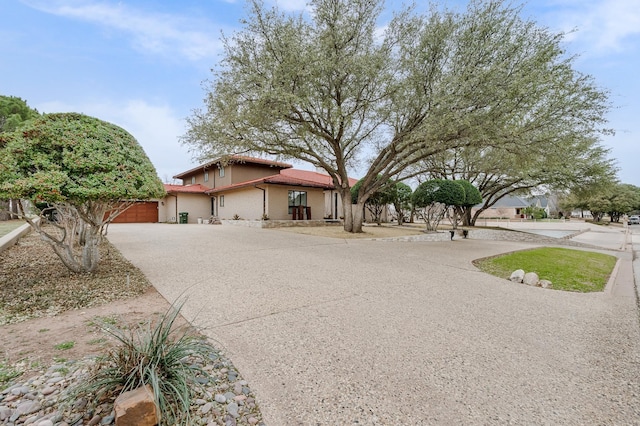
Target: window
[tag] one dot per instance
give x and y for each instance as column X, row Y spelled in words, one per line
column 221, row 171
column 206, row 176
column 193, row 179
column 297, row 198
column 222, row 201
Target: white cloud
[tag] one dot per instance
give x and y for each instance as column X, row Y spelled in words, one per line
column 150, row 32
column 156, row 127
column 605, row 24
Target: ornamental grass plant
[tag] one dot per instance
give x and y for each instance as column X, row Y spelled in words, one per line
column 164, row 355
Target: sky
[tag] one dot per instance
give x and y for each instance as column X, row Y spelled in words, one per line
column 142, row 64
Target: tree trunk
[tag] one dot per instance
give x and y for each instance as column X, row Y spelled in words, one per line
column 347, row 211
column 465, row 214
column 474, row 218
column 80, row 258
column 74, row 240
column 358, row 210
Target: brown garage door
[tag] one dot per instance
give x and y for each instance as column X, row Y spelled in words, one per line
column 140, row 212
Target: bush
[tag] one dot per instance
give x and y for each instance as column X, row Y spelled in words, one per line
column 163, row 356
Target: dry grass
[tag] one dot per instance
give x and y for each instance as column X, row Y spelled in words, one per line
column 370, row 231
column 34, row 282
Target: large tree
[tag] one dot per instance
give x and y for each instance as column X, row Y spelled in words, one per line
column 324, row 88
column 560, row 162
column 615, row 199
column 78, row 171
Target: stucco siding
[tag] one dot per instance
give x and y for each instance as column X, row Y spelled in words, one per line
column 167, row 209
column 246, row 203
column 278, row 201
column 233, row 173
column 197, row 205
column 246, row 172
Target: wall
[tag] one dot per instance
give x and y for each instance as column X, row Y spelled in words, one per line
column 197, row 205
column 246, row 203
column 329, row 204
column 245, row 172
column 278, row 201
column 167, row 211
column 233, row 173
column 501, row 212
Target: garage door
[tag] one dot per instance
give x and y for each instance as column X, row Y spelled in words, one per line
column 140, row 212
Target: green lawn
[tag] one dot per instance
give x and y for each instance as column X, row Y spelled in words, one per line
column 569, row 270
column 7, row 226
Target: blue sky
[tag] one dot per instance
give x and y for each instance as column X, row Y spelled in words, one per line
column 141, row 63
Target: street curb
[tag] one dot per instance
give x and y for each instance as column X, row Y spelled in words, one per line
column 12, row 237
column 612, row 278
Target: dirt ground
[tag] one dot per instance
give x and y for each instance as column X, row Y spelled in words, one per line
column 31, row 344
column 49, row 315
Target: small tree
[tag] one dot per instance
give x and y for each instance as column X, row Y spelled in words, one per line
column 376, row 202
column 83, row 171
column 432, row 199
column 535, row 212
column 400, row 197
column 472, row 197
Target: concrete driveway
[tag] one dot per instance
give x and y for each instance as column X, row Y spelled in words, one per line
column 337, row 332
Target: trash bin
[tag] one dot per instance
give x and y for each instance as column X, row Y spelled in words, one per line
column 184, row 217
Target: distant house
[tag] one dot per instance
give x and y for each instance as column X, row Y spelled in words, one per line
column 513, row 207
column 250, row 188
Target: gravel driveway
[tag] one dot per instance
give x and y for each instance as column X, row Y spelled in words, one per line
column 340, row 332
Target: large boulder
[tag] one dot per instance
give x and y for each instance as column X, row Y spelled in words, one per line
column 517, row 276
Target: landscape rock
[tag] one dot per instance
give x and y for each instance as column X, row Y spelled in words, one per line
column 545, row 284
column 517, row 276
column 136, row 408
column 531, row 278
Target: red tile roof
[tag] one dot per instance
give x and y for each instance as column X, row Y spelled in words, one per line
column 193, row 189
column 279, row 179
column 287, row 176
column 313, row 176
column 234, row 159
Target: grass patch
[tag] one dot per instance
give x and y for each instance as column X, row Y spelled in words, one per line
column 7, row 226
column 64, row 346
column 569, row 270
column 7, row 373
column 99, row 321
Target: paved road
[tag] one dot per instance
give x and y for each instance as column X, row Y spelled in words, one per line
column 335, row 332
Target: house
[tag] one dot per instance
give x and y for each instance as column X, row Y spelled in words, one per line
column 513, row 207
column 249, row 188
